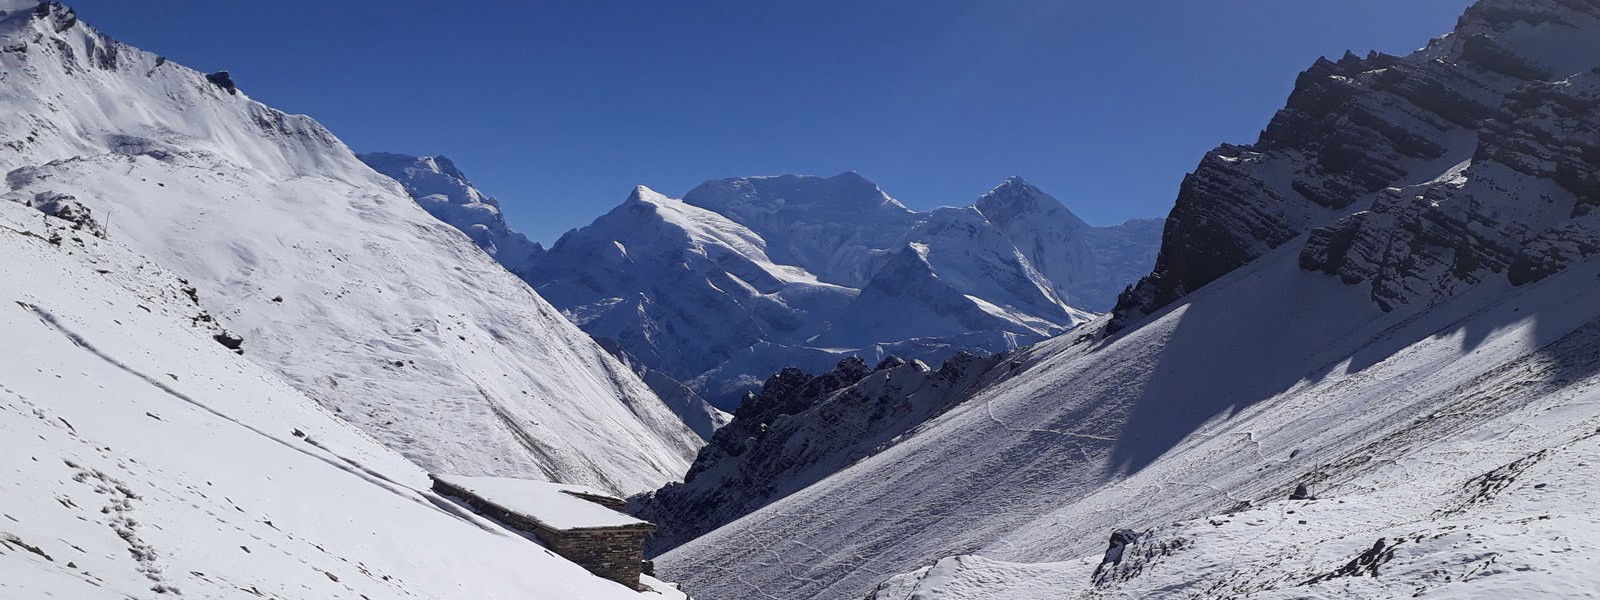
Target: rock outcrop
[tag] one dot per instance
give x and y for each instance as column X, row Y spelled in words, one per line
column 1375, row 144
column 798, row 430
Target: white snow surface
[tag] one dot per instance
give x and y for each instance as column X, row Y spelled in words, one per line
column 548, row 503
column 336, row 280
column 444, row 191
column 144, row 460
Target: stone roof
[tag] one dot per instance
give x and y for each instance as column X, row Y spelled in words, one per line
column 557, row 506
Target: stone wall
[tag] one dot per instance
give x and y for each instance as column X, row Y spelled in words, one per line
column 616, row 554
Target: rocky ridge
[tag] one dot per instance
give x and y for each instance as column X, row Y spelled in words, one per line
column 1377, row 144
column 799, row 429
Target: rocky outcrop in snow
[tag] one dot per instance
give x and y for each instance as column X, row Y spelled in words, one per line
column 800, row 429
column 1522, row 209
column 1361, row 136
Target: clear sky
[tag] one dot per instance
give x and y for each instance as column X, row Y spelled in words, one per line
column 560, row 108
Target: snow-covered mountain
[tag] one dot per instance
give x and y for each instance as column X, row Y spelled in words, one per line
column 745, row 277
column 146, row 460
column 444, row 191
column 832, row 227
column 1389, row 299
column 334, row 279
column 1088, row 266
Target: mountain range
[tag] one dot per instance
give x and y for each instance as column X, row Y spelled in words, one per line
column 1363, row 362
column 744, row 277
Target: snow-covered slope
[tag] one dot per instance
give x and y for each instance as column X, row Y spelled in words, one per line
column 745, row 277
column 144, row 460
column 681, row 289
column 444, row 191
column 800, row 429
column 699, row 415
column 335, row 279
column 1391, row 300
column 1237, row 395
column 828, row 226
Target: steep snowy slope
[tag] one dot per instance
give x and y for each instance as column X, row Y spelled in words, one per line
column 335, row 279
column 1410, row 359
column 145, row 460
column 444, row 191
column 800, row 429
column 1235, row 396
column 699, row 415
column 745, row 277
column 832, row 227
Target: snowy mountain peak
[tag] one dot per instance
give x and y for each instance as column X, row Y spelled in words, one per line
column 436, row 184
column 644, row 194
column 1016, row 199
column 58, row 16
column 827, row 226
column 428, row 176
column 746, row 276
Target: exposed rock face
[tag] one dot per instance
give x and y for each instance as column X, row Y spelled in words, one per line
column 799, row 429
column 60, row 16
column 446, row 193
column 67, row 208
column 1356, row 129
column 223, row 80
column 1120, row 540
column 1521, row 211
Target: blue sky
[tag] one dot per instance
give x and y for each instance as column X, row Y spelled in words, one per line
column 560, row 108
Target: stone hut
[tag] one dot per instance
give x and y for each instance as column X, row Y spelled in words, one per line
column 582, row 524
